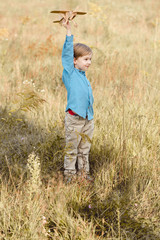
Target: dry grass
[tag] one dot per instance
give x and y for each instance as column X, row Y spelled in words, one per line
column 123, row 202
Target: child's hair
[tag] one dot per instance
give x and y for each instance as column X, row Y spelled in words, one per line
column 81, row 50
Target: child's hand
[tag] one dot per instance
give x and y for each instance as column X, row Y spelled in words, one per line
column 67, row 26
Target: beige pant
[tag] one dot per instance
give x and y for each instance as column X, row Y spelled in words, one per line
column 79, row 132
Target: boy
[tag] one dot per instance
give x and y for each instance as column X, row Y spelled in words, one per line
column 79, row 124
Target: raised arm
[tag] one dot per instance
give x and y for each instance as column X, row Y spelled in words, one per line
column 68, row 52
column 68, row 27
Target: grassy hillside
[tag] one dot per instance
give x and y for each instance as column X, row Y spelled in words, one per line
column 123, row 201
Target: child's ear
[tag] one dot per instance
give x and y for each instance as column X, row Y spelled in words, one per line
column 75, row 60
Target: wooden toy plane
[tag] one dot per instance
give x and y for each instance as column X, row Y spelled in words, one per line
column 67, row 15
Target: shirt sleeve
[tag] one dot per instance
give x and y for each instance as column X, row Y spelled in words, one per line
column 68, row 54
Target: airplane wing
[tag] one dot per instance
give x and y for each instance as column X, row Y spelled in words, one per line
column 77, row 12
column 80, row 13
column 58, row 21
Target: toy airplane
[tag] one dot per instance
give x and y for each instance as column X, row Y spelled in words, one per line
column 67, row 15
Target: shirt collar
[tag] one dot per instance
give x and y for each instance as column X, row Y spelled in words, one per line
column 81, row 71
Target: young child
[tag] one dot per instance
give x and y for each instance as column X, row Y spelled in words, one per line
column 79, row 124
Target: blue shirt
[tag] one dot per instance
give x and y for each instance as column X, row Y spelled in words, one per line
column 79, row 91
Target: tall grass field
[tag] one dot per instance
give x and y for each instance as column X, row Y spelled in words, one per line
column 123, row 201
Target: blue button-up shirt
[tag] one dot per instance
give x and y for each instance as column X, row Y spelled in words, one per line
column 79, row 91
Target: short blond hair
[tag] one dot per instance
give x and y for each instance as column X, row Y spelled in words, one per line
column 81, row 50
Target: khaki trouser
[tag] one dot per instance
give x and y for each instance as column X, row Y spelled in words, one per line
column 79, row 132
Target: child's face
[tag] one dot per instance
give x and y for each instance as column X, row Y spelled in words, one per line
column 83, row 63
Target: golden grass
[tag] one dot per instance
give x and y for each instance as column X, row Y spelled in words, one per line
column 123, row 202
